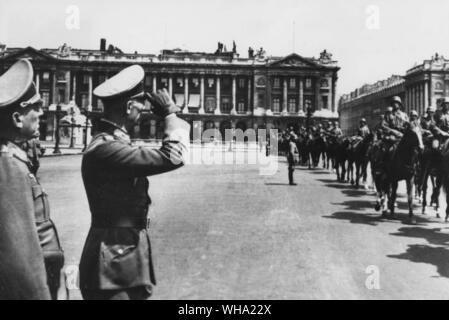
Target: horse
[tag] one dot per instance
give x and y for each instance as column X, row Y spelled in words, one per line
column 445, row 174
column 431, row 166
column 376, row 155
column 317, row 147
column 342, row 147
column 401, row 164
column 359, row 157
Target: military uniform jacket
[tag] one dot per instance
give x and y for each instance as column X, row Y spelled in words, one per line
column 364, row 131
column 443, row 122
column 114, row 174
column 22, row 270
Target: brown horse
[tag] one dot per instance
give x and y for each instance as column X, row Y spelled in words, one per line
column 401, row 164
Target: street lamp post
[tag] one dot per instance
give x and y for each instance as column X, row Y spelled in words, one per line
column 58, row 113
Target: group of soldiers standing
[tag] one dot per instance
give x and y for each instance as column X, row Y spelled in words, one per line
column 116, row 261
column 433, row 125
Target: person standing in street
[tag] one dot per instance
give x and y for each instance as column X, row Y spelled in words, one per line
column 116, row 262
column 291, row 154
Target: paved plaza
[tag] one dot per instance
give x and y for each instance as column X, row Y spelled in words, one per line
column 226, row 232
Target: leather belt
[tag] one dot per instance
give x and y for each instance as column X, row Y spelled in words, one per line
column 122, row 221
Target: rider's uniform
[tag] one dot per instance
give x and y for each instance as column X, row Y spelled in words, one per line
column 443, row 122
column 364, row 131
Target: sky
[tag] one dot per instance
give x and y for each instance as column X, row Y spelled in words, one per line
column 371, row 40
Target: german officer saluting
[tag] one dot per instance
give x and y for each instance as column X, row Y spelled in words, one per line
column 116, row 260
column 22, row 267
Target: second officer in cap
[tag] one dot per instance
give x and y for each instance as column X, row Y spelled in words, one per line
column 116, row 261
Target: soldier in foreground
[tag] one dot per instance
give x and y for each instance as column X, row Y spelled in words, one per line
column 116, row 262
column 22, row 200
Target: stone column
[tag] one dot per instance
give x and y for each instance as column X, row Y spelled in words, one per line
column 317, row 94
column 249, row 108
column 234, row 95
column 170, row 85
column 74, row 88
column 201, row 110
column 67, row 87
column 334, row 95
column 154, row 82
column 301, row 95
column 268, row 99
column 186, row 94
column 330, row 96
column 89, row 99
column 37, row 82
column 54, row 97
column 218, row 95
column 284, row 96
column 426, row 95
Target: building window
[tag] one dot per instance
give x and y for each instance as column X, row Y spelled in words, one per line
column 241, row 107
column 308, row 83
column 101, row 79
column 84, row 100
column 86, row 79
column 292, row 83
column 292, row 105
column 148, row 80
column 46, row 77
column 210, row 82
column 100, row 104
column 226, row 104
column 210, row 104
column 276, row 105
column 45, row 98
column 195, row 82
column 324, row 100
column 324, row 83
column 277, row 83
column 241, row 83
column 164, row 82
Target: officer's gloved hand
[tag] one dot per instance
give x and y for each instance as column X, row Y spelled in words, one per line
column 162, row 103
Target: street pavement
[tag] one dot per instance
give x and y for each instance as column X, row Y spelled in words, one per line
column 226, row 232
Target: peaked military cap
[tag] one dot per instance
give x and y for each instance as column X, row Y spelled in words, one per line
column 446, row 100
column 17, row 86
column 414, row 113
column 127, row 83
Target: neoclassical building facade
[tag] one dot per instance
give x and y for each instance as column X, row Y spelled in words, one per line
column 423, row 85
column 217, row 90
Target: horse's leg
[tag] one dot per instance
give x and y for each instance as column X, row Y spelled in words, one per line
column 436, row 194
column 424, row 191
column 393, row 194
column 409, row 183
column 447, row 202
column 358, row 169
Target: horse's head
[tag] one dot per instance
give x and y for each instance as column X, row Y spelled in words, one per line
column 413, row 137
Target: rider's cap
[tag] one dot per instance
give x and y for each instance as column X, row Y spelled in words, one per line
column 431, row 109
column 389, row 109
column 446, row 100
column 17, row 87
column 414, row 113
column 397, row 99
column 363, row 120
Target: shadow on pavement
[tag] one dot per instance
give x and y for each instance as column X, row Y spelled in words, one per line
column 353, row 217
column 276, row 184
column 432, row 236
column 437, row 256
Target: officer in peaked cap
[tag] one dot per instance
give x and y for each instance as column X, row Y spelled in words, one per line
column 22, row 267
column 116, row 261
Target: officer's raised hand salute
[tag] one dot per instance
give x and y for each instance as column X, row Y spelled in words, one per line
column 116, row 261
